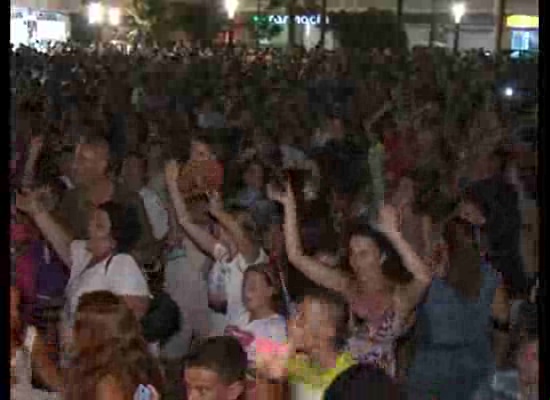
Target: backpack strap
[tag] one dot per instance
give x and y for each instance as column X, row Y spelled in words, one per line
column 108, row 263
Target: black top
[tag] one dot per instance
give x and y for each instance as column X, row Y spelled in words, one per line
column 499, row 203
column 364, row 382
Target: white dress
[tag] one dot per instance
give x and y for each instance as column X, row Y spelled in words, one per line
column 226, row 276
column 22, row 389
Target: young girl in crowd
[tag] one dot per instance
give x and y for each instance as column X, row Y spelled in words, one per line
column 263, row 319
column 232, row 246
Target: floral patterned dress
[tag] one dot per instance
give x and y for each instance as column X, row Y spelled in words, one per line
column 375, row 343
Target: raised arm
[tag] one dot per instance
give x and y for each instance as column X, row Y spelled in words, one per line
column 309, row 266
column 54, row 232
column 30, row 164
column 408, row 298
column 200, row 236
column 249, row 250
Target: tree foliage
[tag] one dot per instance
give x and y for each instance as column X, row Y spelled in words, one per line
column 366, row 30
column 201, row 21
column 148, row 20
column 81, row 31
column 262, row 28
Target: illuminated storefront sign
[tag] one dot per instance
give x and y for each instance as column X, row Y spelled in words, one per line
column 30, row 27
column 522, row 22
column 298, row 19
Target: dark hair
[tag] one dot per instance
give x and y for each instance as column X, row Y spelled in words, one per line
column 328, row 242
column 66, row 152
column 526, row 329
column 471, row 195
column 206, row 137
column 392, row 266
column 223, row 355
column 464, row 259
column 339, row 312
column 139, row 156
column 364, row 382
column 255, row 161
column 142, row 160
column 125, row 225
column 98, row 141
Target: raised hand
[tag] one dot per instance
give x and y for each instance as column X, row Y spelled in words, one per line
column 171, row 172
column 215, row 202
column 389, row 220
column 27, row 201
column 285, row 197
column 471, row 213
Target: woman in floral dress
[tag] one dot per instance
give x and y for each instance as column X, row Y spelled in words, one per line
column 381, row 299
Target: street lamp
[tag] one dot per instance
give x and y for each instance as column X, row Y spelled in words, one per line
column 96, row 13
column 114, row 16
column 231, row 8
column 458, row 10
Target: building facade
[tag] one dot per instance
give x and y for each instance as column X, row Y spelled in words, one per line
column 477, row 30
column 35, row 22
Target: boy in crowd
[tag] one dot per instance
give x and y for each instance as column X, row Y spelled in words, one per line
column 216, row 369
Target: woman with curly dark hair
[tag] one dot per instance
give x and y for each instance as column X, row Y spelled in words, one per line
column 111, row 359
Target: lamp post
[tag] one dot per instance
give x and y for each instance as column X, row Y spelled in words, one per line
column 458, row 10
column 98, row 14
column 433, row 23
column 231, row 8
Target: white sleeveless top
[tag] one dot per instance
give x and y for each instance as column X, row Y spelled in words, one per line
column 226, row 276
column 22, row 389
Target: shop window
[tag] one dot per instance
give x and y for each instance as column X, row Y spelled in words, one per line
column 520, row 40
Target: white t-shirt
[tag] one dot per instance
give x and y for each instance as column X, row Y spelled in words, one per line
column 232, row 274
column 273, row 328
column 123, row 277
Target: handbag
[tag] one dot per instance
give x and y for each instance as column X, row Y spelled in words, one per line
column 163, row 318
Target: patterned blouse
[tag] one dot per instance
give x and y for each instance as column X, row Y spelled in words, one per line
column 375, row 345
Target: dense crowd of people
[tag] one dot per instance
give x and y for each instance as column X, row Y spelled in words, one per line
column 234, row 223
